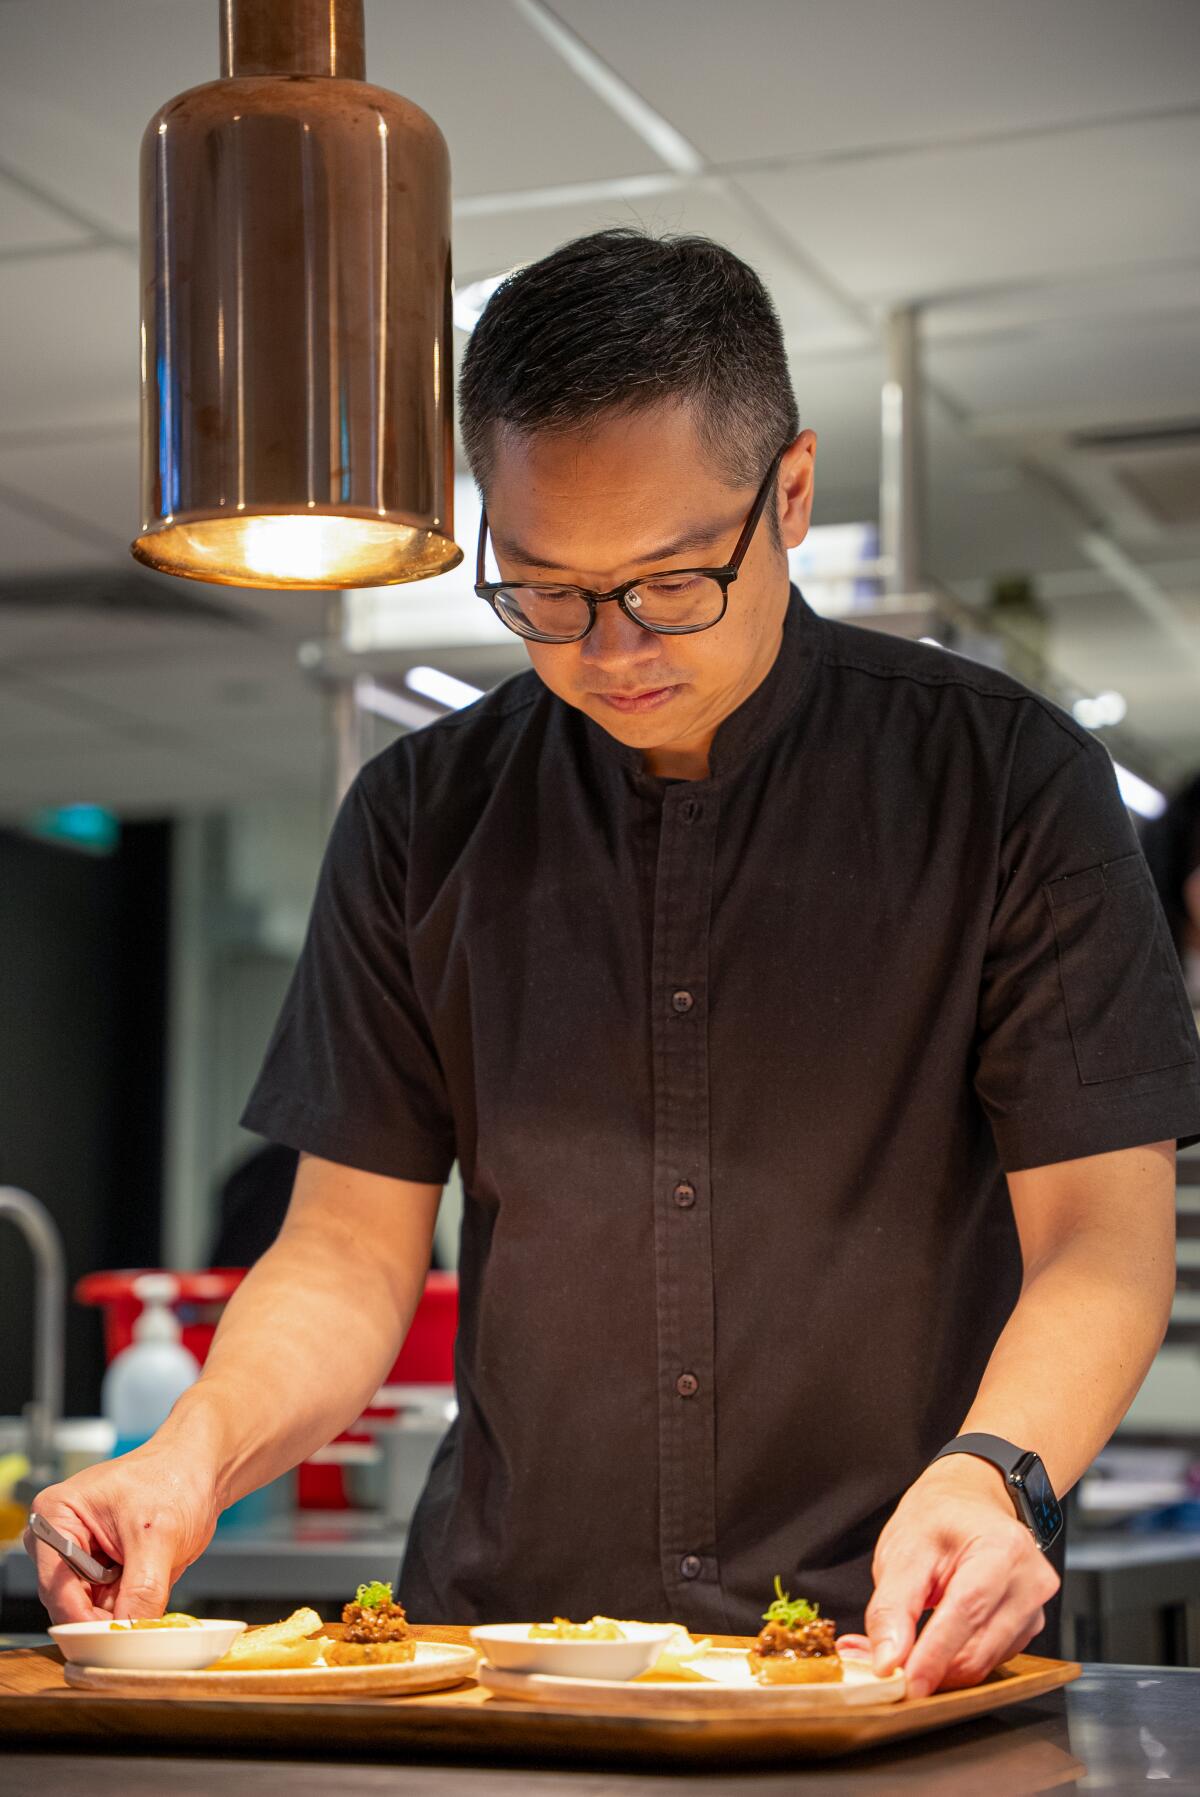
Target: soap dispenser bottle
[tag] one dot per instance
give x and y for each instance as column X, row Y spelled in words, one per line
column 144, row 1380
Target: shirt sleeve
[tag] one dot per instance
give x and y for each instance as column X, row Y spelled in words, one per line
column 1086, row 1042
column 351, row 1072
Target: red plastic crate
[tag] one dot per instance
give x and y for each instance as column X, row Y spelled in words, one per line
column 426, row 1358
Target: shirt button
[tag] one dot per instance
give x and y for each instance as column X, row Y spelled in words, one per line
column 691, row 810
column 687, row 1385
column 685, row 1194
column 682, row 1002
column 689, row 1566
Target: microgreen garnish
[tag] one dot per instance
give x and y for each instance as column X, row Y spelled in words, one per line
column 373, row 1596
column 791, row 1612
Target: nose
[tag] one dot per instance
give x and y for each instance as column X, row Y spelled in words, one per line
column 615, row 641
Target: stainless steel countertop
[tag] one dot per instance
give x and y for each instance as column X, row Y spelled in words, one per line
column 316, row 1558
column 325, row 1554
column 1113, row 1730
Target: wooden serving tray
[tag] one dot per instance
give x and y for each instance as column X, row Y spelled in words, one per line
column 36, row 1704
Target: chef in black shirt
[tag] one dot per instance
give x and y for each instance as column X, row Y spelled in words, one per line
column 797, row 1006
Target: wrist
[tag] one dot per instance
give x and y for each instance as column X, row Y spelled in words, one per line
column 966, row 1475
column 197, row 1432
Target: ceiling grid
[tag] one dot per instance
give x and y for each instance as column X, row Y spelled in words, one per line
column 1026, row 174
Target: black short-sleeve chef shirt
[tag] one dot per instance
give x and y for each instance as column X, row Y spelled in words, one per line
column 733, row 1070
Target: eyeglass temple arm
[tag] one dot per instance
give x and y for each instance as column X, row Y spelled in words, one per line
column 481, row 551
column 765, row 492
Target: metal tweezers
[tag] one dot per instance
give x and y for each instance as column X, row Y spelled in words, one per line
column 76, row 1557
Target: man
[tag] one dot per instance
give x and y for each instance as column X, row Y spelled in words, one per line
column 738, row 956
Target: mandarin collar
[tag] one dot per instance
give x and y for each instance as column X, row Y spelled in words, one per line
column 758, row 717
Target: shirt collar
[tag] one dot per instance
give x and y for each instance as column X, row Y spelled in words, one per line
column 757, row 718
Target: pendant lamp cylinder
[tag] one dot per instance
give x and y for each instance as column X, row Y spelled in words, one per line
column 297, row 418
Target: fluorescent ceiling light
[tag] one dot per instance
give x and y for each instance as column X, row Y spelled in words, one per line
column 382, row 702
column 1105, row 708
column 653, row 129
column 570, row 193
column 1138, row 794
column 444, row 689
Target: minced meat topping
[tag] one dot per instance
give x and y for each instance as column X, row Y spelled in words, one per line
column 805, row 1640
column 375, row 1622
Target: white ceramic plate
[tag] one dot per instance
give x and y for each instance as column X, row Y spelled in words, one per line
column 507, row 1645
column 151, row 1650
column 728, row 1683
column 436, row 1665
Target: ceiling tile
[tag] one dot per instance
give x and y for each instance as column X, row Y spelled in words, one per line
column 1068, row 375
column 1143, row 293
column 947, row 220
column 797, row 78
column 38, row 637
column 80, row 80
column 70, row 327
column 41, row 724
column 90, row 476
column 31, row 545
column 224, row 694
column 812, row 321
column 511, row 111
column 27, row 225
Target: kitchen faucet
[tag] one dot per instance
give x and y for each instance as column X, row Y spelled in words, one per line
column 44, row 1411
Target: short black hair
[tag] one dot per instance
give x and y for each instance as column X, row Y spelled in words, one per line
column 620, row 320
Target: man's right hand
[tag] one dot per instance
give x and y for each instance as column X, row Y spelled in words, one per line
column 303, row 1346
column 153, row 1512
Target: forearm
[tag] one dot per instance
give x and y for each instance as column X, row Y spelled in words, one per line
column 1073, row 1353
column 306, row 1340
column 1097, row 1246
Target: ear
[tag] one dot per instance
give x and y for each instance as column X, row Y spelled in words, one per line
column 794, row 494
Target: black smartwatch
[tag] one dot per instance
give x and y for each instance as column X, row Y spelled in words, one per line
column 1032, row 1493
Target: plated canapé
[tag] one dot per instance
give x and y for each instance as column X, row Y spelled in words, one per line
column 374, row 1631
column 795, row 1655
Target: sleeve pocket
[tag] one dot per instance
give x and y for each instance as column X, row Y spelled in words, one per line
column 1120, row 981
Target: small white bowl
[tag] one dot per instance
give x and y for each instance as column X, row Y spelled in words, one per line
column 507, row 1644
column 146, row 1650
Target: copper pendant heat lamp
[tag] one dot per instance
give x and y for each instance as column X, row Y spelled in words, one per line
column 297, row 427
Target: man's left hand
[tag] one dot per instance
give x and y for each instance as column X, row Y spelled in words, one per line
column 954, row 1545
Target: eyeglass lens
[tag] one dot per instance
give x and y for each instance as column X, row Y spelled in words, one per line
column 666, row 602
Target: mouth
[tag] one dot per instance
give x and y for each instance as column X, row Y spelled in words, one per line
column 647, row 698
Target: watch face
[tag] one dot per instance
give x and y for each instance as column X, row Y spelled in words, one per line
column 1043, row 1511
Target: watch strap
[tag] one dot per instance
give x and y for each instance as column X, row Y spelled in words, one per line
column 1001, row 1453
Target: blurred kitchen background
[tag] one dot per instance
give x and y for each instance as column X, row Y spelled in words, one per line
column 993, row 209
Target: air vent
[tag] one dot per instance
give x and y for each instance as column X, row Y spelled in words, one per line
column 1157, row 467
column 140, row 594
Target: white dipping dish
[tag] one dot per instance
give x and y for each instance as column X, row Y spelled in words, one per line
column 507, row 1645
column 149, row 1650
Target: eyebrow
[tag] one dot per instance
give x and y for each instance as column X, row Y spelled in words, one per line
column 700, row 538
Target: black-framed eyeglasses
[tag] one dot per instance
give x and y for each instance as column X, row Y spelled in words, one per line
column 673, row 602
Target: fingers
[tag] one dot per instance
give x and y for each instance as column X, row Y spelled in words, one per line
column 992, row 1607
column 61, row 1591
column 146, row 1581
column 984, row 1653
column 901, row 1596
